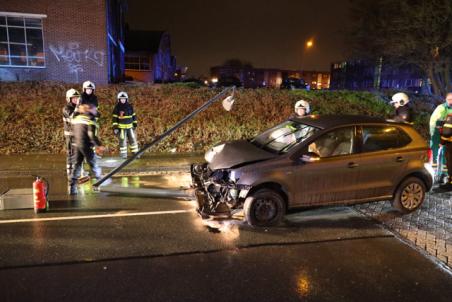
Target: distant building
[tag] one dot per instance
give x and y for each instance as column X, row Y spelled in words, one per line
column 251, row 77
column 148, row 57
column 70, row 41
column 367, row 75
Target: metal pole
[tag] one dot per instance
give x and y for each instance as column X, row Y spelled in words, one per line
column 161, row 137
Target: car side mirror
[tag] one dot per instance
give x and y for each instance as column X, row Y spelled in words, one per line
column 310, row 157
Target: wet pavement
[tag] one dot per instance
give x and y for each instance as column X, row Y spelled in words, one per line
column 112, row 247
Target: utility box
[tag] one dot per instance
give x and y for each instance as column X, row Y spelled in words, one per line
column 17, row 199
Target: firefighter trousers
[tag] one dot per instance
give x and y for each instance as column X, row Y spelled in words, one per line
column 435, row 140
column 81, row 154
column 69, row 155
column 127, row 136
column 448, row 156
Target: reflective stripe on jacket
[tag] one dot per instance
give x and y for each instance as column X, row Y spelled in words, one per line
column 124, row 116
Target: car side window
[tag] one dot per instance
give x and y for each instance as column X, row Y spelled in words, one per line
column 378, row 138
column 334, row 143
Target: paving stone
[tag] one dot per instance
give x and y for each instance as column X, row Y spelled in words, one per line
column 429, row 227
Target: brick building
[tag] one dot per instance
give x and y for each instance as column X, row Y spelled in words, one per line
column 148, row 57
column 69, row 41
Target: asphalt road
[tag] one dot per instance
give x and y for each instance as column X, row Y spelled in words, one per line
column 107, row 247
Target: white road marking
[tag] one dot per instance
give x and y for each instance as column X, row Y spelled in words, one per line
column 95, row 216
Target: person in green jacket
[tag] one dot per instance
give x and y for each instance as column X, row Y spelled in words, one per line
column 437, row 120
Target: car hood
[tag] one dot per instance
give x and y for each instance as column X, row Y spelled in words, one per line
column 235, row 153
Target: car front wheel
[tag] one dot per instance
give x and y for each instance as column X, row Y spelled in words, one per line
column 264, row 207
column 409, row 195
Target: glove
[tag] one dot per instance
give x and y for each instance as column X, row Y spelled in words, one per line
column 135, row 127
column 116, row 131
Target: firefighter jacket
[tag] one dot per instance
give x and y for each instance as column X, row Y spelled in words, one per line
column 403, row 114
column 438, row 117
column 90, row 99
column 124, row 116
column 68, row 114
column 446, row 131
column 84, row 129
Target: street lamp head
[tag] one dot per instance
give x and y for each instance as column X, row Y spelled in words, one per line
column 309, row 43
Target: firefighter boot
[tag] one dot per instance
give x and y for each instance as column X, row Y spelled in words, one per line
column 447, row 186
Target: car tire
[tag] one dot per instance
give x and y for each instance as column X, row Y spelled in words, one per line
column 265, row 207
column 410, row 195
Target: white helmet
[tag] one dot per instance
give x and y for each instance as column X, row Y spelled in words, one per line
column 71, row 93
column 122, row 95
column 400, row 98
column 303, row 104
column 88, row 84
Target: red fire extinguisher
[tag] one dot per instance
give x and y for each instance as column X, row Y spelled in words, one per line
column 40, row 192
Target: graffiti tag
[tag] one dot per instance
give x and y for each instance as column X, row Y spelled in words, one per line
column 75, row 57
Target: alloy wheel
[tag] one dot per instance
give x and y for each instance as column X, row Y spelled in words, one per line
column 412, row 196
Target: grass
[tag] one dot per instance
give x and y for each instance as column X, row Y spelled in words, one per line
column 31, row 118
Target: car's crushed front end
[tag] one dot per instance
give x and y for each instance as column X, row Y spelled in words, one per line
column 218, row 192
column 220, row 184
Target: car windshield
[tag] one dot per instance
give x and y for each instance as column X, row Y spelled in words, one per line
column 282, row 138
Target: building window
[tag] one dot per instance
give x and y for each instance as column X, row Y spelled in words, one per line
column 137, row 63
column 21, row 41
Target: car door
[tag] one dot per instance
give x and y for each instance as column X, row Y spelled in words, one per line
column 382, row 159
column 333, row 178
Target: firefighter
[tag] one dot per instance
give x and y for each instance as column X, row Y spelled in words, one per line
column 403, row 113
column 437, row 125
column 302, row 108
column 86, row 143
column 88, row 96
column 72, row 100
column 446, row 142
column 125, row 124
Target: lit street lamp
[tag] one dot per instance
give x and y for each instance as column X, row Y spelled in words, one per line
column 309, row 44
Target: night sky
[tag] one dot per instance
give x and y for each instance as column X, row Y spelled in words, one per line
column 269, row 34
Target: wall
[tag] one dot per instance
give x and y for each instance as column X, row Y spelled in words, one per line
column 75, row 41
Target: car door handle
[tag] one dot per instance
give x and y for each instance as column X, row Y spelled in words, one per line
column 400, row 159
column 352, row 165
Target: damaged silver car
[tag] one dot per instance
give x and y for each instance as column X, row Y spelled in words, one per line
column 312, row 161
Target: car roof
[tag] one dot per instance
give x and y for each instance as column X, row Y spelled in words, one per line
column 331, row 121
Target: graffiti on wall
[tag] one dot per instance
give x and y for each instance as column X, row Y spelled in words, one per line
column 76, row 58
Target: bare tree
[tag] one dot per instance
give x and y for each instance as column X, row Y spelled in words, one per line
column 416, row 32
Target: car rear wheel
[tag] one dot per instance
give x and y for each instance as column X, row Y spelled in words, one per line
column 409, row 195
column 264, row 207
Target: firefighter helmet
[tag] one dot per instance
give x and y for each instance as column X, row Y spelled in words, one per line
column 122, row 95
column 71, row 93
column 400, row 98
column 88, row 84
column 303, row 104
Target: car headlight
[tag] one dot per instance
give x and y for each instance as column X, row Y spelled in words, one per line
column 212, row 152
column 234, row 175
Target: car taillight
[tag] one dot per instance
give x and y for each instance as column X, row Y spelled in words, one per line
column 430, row 156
